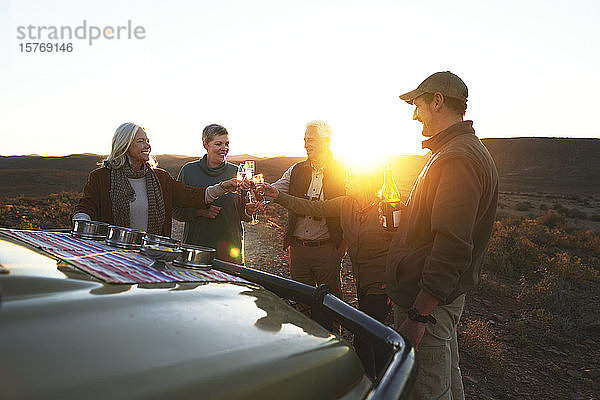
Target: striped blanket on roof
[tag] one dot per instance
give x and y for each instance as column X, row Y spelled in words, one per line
column 110, row 264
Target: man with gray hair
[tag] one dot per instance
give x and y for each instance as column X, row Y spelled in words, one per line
column 316, row 247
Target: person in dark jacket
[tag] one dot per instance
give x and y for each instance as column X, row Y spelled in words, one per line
column 218, row 226
column 437, row 252
column 368, row 244
column 130, row 191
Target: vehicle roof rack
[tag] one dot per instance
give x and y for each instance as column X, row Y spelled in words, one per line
column 399, row 375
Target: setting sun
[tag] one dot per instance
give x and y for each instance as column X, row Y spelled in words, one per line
column 361, row 163
column 367, row 152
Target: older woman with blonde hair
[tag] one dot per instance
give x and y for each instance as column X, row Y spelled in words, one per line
column 128, row 190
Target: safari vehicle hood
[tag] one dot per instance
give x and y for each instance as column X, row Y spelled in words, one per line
column 65, row 334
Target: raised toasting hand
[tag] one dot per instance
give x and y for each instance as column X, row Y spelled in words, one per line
column 267, row 190
column 230, row 185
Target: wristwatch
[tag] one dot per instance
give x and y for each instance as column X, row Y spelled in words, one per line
column 414, row 315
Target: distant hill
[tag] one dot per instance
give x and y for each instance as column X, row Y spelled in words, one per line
column 35, row 175
column 73, row 162
column 549, row 165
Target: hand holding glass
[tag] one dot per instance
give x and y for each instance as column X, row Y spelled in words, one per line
column 230, row 185
column 267, row 190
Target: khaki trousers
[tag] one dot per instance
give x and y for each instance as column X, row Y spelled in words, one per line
column 439, row 374
column 317, row 265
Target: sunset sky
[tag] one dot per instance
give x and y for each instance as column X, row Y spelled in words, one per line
column 265, row 68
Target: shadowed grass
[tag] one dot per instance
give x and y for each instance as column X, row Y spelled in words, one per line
column 50, row 212
column 557, row 269
column 480, row 341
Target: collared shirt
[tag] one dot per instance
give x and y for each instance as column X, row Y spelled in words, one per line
column 307, row 228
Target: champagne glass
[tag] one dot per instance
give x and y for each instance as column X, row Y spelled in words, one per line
column 249, row 167
column 257, row 179
column 251, row 199
column 239, row 177
column 241, row 172
column 260, row 193
column 249, row 172
column 255, row 196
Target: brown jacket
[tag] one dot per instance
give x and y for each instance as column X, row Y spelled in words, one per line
column 368, row 242
column 97, row 204
column 446, row 227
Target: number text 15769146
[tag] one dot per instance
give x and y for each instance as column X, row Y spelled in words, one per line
column 46, row 47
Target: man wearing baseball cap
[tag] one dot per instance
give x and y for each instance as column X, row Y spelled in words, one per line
column 437, row 252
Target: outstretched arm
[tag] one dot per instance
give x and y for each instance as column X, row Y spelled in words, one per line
column 322, row 208
column 326, row 208
column 211, row 194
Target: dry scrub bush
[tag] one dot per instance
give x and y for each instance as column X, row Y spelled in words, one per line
column 552, row 219
column 558, row 207
column 576, row 213
column 544, row 237
column 569, row 212
column 510, row 253
column 566, row 296
column 43, row 213
column 523, row 206
column 481, row 342
column 587, row 241
column 557, row 270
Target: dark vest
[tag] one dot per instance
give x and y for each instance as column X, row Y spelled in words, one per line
column 333, row 186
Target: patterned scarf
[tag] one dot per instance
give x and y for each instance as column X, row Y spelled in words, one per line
column 121, row 194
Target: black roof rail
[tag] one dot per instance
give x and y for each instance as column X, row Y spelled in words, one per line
column 398, row 377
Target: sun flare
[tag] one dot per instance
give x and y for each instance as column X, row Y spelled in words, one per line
column 357, row 158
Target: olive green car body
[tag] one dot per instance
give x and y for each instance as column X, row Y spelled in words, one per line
column 67, row 335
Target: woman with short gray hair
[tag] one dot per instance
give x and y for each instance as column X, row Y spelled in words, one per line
column 218, row 226
column 210, row 131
